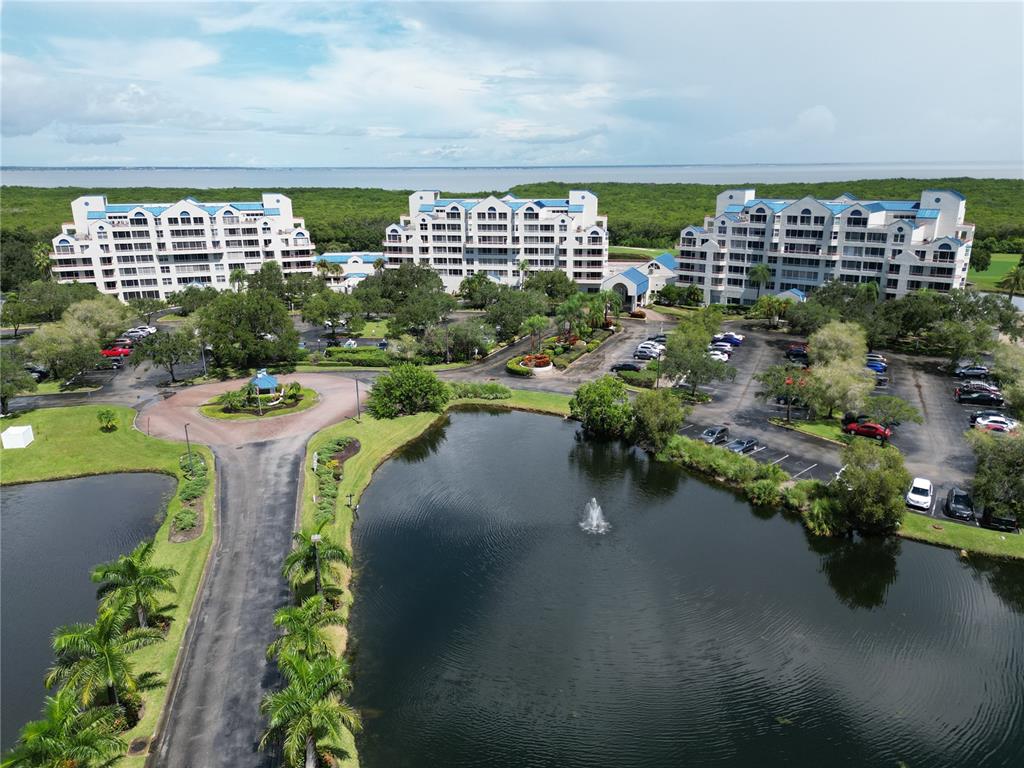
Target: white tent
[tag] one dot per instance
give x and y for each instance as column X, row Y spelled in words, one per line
column 17, row 437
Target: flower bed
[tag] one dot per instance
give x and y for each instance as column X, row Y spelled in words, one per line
column 515, row 367
column 187, row 523
column 536, row 361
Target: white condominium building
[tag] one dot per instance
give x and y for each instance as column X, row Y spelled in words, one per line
column 902, row 245
column 460, row 237
column 149, row 250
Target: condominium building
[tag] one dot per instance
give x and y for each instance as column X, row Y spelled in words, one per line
column 459, row 237
column 149, row 250
column 902, row 245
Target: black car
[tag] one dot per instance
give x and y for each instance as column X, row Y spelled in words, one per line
column 959, row 504
column 990, row 520
column 971, row 372
column 627, row 366
column 797, row 356
column 661, row 338
column 715, row 435
column 382, row 344
column 742, row 445
column 982, row 414
column 979, row 398
column 785, row 400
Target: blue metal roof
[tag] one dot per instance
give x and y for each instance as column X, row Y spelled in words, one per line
column 849, row 195
column 836, row 207
column 637, row 278
column 775, row 205
column 796, row 292
column 357, row 274
column 928, row 213
column 272, row 212
column 247, row 206
column 427, row 208
column 552, row 202
column 515, row 205
column 575, row 209
column 96, row 215
column 734, row 208
column 667, row 260
column 895, row 205
column 731, row 216
column 264, row 380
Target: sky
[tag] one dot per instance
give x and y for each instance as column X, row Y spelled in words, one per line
column 179, row 83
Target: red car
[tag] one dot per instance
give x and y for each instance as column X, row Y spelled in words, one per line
column 115, row 350
column 868, row 429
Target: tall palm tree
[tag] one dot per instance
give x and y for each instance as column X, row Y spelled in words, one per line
column 609, row 301
column 760, row 275
column 134, row 579
column 68, row 737
column 308, row 717
column 534, row 325
column 302, row 560
column 304, row 627
column 570, row 314
column 524, row 272
column 93, row 659
column 238, row 278
column 1013, row 281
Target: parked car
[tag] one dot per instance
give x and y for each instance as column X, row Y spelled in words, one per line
column 722, row 346
column 721, row 357
column 115, row 350
column 973, row 385
column 982, row 414
column 110, row 363
column 149, row 330
column 990, row 519
column 958, row 504
column 37, row 372
column 742, row 445
column 877, row 358
column 134, row 335
column 732, row 334
column 382, row 344
column 854, row 418
column 661, row 338
column 868, row 429
column 971, row 372
column 798, row 355
column 784, row 400
column 920, row 494
column 715, row 435
column 876, row 366
column 627, row 365
column 645, row 354
column 725, row 338
column 797, row 345
column 881, row 382
column 651, row 345
column 123, row 341
column 979, row 398
column 350, row 344
column 996, row 423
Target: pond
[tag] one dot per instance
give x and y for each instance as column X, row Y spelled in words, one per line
column 52, row 535
column 491, row 630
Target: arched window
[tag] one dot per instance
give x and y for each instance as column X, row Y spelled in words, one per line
column 139, row 215
column 805, row 212
column 760, row 210
column 945, row 247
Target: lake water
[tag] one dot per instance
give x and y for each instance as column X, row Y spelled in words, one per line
column 479, row 179
column 490, row 630
column 52, row 535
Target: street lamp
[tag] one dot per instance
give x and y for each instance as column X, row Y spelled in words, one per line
column 315, row 538
column 188, row 445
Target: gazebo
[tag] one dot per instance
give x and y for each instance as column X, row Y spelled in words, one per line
column 265, row 383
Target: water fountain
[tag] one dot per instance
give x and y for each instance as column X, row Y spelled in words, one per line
column 594, row 521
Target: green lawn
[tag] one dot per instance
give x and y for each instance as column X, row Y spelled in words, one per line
column 216, row 411
column 57, row 388
column 327, row 367
column 1001, row 264
column 375, row 329
column 957, row 536
column 625, row 252
column 170, row 317
column 826, row 429
column 680, row 312
column 69, row 443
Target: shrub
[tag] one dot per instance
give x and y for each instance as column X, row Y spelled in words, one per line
column 516, row 368
column 185, row 519
column 371, row 357
column 405, row 390
column 107, row 417
column 799, row 495
column 638, row 313
column 195, row 477
column 462, row 390
column 645, row 378
column 824, row 517
column 764, row 492
column 536, row 361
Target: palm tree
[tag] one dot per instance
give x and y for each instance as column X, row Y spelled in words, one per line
column 524, row 272
column 1013, row 281
column 534, row 325
column 610, row 300
column 570, row 314
column 307, row 555
column 134, row 579
column 304, row 627
column 760, row 275
column 93, row 658
column 237, row 278
column 68, row 737
column 308, row 716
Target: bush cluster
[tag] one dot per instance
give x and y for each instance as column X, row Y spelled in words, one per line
column 360, row 356
column 462, row 390
column 328, row 478
column 185, row 519
column 407, row 389
column 761, row 482
column 645, row 378
column 196, row 478
column 516, row 368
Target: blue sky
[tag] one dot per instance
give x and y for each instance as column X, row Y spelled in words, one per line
column 491, row 83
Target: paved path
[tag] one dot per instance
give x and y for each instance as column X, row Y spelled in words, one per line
column 214, row 718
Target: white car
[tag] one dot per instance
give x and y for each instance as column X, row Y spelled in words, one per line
column 714, row 354
column 920, row 495
column 722, row 346
column 876, row 358
column 996, row 422
column 350, row 344
column 730, row 334
column 651, row 345
column 146, row 330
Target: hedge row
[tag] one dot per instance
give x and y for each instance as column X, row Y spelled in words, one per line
column 192, row 487
column 645, row 378
column 462, row 390
column 761, row 482
column 516, row 368
column 361, row 356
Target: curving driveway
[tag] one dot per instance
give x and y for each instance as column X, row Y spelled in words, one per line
column 213, row 716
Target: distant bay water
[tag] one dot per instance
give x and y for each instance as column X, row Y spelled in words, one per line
column 481, row 178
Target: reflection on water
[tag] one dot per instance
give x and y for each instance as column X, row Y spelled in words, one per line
column 492, row 631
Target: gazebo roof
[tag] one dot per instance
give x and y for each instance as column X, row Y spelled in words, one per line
column 264, row 380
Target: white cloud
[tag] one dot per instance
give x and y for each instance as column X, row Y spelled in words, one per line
column 815, row 122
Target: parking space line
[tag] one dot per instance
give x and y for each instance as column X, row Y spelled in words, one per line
column 760, row 448
column 686, row 427
column 805, row 470
column 782, row 459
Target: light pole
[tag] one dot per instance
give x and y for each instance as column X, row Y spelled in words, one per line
column 315, row 538
column 188, row 445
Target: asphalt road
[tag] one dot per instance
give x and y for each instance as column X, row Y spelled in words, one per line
column 214, row 716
